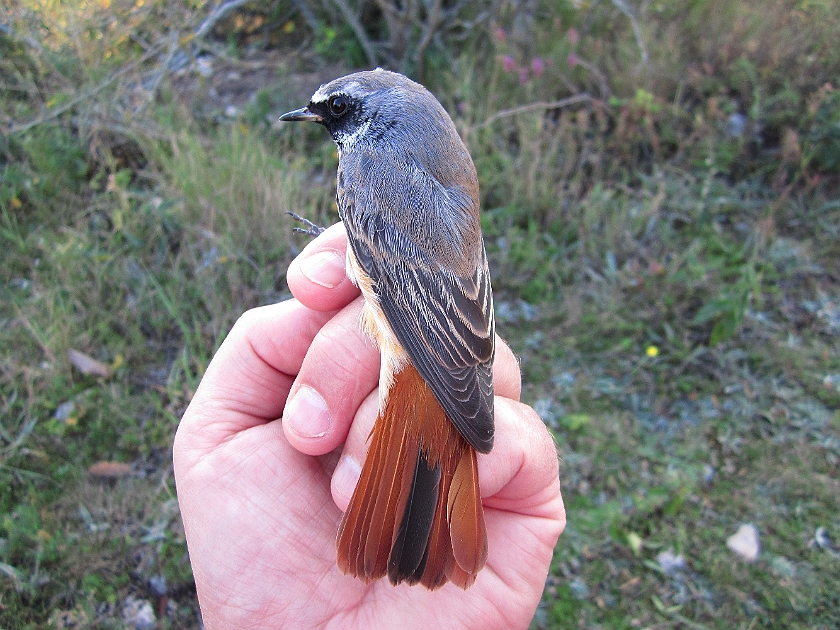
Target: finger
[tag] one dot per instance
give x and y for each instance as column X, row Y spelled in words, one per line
column 523, row 508
column 349, row 468
column 521, row 473
column 507, row 377
column 318, row 276
column 339, row 371
column 250, row 376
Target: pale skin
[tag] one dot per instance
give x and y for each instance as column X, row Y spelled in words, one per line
column 269, row 451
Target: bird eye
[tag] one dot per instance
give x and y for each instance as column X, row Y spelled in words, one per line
column 338, row 105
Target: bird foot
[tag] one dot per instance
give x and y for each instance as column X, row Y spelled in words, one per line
column 311, row 229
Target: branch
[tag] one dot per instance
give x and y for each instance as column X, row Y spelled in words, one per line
column 218, row 13
column 530, row 107
column 351, row 18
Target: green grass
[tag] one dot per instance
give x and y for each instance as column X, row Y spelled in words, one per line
column 680, row 448
column 670, row 288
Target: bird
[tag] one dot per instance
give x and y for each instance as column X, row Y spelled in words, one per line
column 407, row 193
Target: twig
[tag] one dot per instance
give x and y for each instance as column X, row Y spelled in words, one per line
column 599, row 76
column 433, row 20
column 530, row 107
column 218, row 13
column 354, row 23
column 396, row 18
column 308, row 15
column 637, row 29
column 58, row 111
column 164, row 69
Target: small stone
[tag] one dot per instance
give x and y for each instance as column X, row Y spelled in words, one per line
column 783, row 567
column 744, row 542
column 157, row 583
column 579, row 588
column 669, row 561
column 139, row 614
column 64, row 411
column 822, row 540
column 204, row 65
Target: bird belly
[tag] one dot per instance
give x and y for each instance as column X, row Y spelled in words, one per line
column 375, row 324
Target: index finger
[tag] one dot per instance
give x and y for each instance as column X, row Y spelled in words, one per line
column 249, row 378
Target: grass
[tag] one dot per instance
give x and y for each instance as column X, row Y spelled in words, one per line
column 672, row 452
column 670, row 286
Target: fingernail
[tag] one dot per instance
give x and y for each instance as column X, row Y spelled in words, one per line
column 324, row 268
column 346, row 476
column 307, row 414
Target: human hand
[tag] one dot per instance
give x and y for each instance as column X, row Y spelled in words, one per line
column 270, row 449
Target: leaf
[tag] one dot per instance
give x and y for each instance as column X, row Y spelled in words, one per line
column 635, row 542
column 711, row 310
column 575, row 421
column 88, row 365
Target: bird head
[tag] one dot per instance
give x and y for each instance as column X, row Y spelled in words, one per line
column 377, row 110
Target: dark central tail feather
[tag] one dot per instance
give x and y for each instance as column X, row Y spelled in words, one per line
column 410, row 547
column 416, row 513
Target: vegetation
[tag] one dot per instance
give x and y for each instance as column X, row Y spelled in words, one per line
column 660, row 193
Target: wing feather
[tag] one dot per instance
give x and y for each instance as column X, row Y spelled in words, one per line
column 441, row 313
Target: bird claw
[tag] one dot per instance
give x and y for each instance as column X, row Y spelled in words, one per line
column 311, row 229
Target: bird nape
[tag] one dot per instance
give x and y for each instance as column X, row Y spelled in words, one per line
column 408, row 196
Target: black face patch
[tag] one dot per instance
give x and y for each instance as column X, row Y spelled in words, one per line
column 342, row 116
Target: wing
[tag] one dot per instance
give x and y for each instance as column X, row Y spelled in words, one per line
column 443, row 316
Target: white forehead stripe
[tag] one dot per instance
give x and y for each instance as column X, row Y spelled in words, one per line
column 353, row 89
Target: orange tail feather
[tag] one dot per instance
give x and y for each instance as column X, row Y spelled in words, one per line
column 416, row 513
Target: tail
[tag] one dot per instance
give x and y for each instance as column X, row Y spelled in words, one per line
column 416, row 513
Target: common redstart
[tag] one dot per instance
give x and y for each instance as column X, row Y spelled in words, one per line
column 408, row 196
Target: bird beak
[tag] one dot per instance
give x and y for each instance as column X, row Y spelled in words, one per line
column 299, row 115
